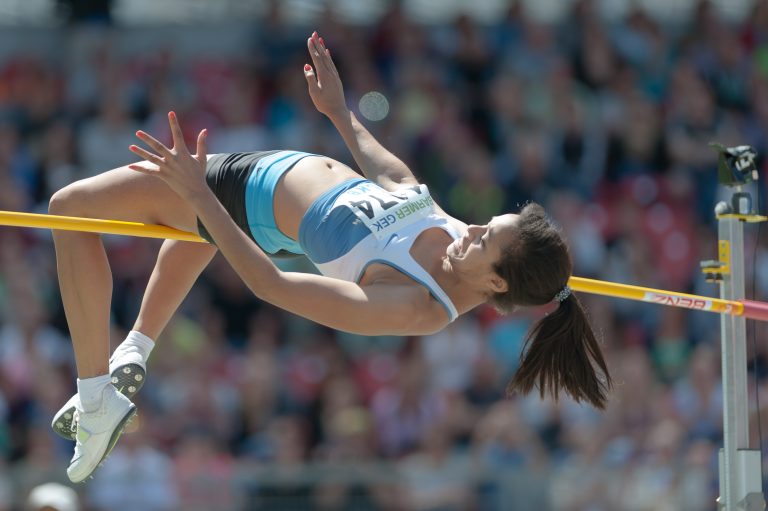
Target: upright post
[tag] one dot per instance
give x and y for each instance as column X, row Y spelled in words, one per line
column 740, row 466
column 740, row 471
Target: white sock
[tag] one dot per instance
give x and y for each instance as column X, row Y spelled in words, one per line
column 138, row 342
column 90, row 390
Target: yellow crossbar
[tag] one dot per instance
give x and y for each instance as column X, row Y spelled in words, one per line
column 660, row 296
column 72, row 223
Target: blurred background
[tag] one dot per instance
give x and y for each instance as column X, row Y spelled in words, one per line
column 601, row 110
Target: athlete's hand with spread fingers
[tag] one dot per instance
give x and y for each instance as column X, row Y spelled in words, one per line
column 183, row 172
column 325, row 86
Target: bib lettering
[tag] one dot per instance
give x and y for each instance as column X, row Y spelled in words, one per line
column 383, row 212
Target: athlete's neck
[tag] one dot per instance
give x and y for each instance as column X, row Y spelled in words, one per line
column 463, row 294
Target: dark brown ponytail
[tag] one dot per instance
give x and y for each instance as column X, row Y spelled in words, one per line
column 561, row 351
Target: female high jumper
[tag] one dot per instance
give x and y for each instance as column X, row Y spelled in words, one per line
column 392, row 261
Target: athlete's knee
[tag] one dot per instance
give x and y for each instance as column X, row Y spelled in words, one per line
column 72, row 200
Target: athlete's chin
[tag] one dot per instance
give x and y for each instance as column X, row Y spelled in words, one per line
column 453, row 251
column 454, row 256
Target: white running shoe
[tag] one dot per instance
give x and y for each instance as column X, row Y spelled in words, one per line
column 128, row 370
column 98, row 432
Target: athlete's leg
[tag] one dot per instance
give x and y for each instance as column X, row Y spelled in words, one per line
column 179, row 264
column 85, row 278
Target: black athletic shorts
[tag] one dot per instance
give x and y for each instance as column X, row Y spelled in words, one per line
column 227, row 175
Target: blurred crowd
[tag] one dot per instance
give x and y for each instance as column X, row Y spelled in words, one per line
column 247, row 407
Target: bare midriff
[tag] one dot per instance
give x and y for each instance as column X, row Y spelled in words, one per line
column 302, row 185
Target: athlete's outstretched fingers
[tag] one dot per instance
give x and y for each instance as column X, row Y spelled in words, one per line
column 315, row 76
column 178, row 135
column 314, row 54
column 153, row 143
column 319, row 58
column 325, row 87
column 324, row 54
column 151, row 157
column 330, row 64
column 202, row 148
column 143, row 169
column 319, row 53
column 315, row 43
column 309, row 74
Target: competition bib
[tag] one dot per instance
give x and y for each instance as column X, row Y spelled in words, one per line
column 385, row 213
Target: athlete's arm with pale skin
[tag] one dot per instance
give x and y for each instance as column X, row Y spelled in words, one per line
column 376, row 162
column 327, row 93
column 374, row 309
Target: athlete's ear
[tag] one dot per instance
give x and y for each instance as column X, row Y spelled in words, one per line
column 498, row 285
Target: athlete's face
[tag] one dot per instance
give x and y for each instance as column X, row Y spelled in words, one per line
column 475, row 253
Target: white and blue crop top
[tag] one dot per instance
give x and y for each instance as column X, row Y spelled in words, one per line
column 358, row 223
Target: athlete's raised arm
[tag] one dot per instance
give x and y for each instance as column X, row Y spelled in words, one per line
column 367, row 310
column 327, row 93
